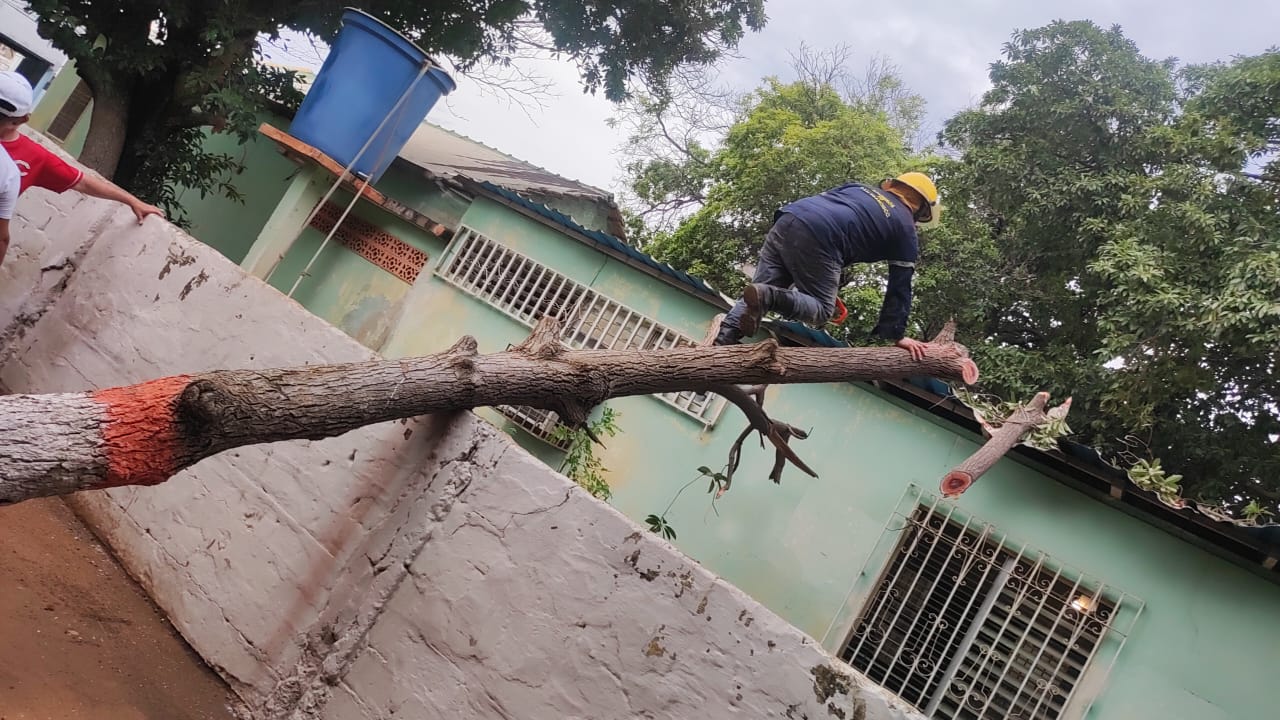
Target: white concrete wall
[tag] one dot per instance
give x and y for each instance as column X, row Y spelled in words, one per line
column 51, row 233
column 425, row 568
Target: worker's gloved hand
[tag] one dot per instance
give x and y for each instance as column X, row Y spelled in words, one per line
column 915, row 347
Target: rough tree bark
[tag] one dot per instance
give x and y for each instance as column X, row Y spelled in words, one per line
column 143, row 434
column 1000, row 440
column 108, row 126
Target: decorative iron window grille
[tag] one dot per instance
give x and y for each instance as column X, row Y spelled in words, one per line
column 966, row 625
column 526, row 290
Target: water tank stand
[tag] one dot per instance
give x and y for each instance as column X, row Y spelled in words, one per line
column 423, row 68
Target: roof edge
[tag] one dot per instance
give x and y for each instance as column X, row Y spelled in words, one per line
column 604, row 242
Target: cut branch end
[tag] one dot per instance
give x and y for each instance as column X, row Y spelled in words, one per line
column 947, row 335
column 955, row 483
column 1000, row 440
column 544, row 342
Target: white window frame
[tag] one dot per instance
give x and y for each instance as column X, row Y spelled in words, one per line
column 524, row 289
column 960, row 650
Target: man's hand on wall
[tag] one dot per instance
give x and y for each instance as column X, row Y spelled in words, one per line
column 142, row 210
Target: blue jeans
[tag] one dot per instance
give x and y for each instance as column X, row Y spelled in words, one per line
column 803, row 273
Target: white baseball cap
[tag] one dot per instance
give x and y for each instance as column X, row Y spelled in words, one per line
column 16, row 96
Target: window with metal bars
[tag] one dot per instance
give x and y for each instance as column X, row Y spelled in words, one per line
column 537, row 422
column 965, row 625
column 526, row 290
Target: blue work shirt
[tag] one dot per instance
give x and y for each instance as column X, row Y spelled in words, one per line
column 864, row 224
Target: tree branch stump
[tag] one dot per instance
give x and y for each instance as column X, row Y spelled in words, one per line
column 144, row 434
column 1000, row 440
column 751, row 402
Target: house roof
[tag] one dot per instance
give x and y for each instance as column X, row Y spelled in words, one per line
column 451, row 156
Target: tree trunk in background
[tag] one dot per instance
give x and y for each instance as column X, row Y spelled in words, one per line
column 108, row 128
column 144, row 434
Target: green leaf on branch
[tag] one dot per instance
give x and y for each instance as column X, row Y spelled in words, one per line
column 580, row 461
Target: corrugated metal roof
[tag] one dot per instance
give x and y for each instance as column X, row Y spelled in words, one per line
column 447, row 154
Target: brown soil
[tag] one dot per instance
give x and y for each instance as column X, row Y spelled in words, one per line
column 78, row 639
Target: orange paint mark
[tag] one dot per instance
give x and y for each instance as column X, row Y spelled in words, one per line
column 140, row 435
column 955, row 483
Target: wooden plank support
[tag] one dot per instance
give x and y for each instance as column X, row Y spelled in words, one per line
column 298, row 151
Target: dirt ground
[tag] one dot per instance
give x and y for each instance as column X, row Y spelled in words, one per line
column 78, row 639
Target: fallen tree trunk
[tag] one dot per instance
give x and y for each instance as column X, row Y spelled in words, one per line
column 1000, row 440
column 143, row 434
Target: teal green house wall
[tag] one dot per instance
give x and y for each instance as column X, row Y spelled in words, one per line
column 408, row 186
column 437, row 314
column 232, row 225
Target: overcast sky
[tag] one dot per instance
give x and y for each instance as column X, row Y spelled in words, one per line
column 942, row 48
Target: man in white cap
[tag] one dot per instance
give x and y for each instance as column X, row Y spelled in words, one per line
column 41, row 167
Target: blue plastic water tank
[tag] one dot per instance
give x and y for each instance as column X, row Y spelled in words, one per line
column 369, row 67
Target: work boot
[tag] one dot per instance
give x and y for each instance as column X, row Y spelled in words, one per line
column 759, row 299
column 727, row 336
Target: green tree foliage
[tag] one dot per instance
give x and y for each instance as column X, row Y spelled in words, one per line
column 786, row 140
column 1132, row 260
column 580, row 462
column 162, row 70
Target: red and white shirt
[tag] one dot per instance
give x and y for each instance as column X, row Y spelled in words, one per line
column 40, row 167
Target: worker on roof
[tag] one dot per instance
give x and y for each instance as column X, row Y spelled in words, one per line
column 814, row 238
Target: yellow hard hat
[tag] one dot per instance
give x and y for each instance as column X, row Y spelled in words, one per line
column 923, row 184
